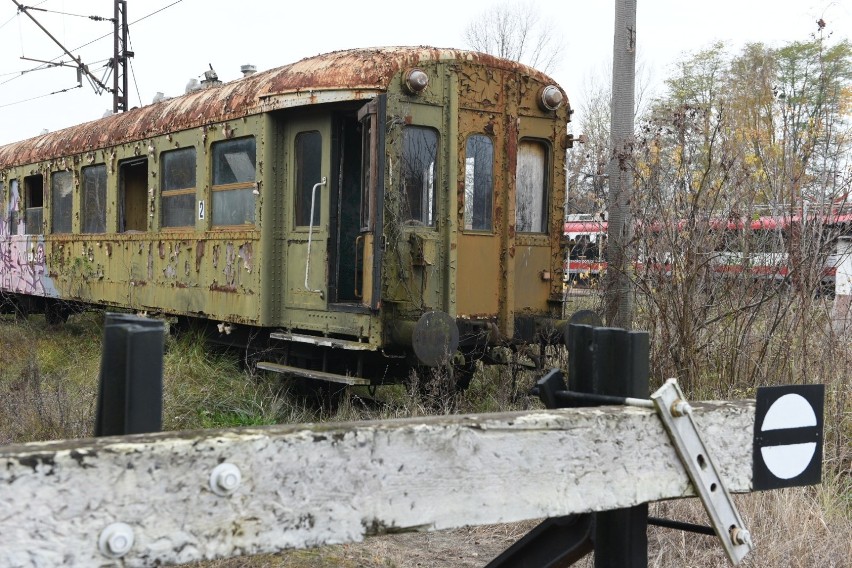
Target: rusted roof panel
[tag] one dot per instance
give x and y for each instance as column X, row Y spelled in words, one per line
column 355, row 70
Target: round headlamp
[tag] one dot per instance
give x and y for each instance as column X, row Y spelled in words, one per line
column 550, row 98
column 416, row 81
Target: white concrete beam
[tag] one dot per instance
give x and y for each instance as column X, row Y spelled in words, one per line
column 314, row 484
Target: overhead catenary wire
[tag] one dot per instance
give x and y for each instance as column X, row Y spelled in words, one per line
column 95, row 18
column 46, row 66
column 79, row 47
column 4, row 24
column 99, row 87
column 41, row 96
column 133, row 72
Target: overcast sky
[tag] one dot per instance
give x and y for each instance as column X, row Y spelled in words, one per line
column 182, row 40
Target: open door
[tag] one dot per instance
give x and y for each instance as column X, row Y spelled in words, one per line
column 133, row 195
column 355, row 255
column 348, row 219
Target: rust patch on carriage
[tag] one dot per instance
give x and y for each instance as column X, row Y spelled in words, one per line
column 199, row 255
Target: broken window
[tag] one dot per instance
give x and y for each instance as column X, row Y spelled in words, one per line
column 478, row 182
column 93, row 199
column 61, row 202
column 419, row 153
column 531, row 188
column 308, row 152
column 234, row 182
column 177, row 199
column 33, row 204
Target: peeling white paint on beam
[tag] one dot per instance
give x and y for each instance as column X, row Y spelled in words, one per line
column 309, row 485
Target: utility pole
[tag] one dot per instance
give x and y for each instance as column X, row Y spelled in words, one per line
column 120, row 56
column 621, row 539
column 618, row 291
column 118, row 63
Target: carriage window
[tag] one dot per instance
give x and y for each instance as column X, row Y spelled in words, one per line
column 419, row 153
column 13, row 213
column 61, row 204
column 177, row 199
column 531, row 192
column 33, row 204
column 234, row 186
column 5, row 204
column 94, row 199
column 308, row 173
column 478, row 182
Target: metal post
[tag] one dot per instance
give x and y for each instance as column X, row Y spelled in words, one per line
column 620, row 368
column 120, row 58
column 130, row 398
column 610, row 366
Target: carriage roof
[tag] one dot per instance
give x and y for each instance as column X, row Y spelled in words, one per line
column 342, row 75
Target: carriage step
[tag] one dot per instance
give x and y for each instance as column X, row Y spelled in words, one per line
column 311, row 374
column 323, row 341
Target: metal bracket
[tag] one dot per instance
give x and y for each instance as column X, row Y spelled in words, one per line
column 676, row 414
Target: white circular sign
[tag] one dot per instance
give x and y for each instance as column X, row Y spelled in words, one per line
column 789, row 411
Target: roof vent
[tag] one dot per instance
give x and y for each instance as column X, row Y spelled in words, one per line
column 211, row 79
column 248, row 70
column 192, row 85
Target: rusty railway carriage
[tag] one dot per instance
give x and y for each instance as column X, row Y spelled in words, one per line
column 362, row 211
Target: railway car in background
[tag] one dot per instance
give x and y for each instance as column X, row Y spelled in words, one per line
column 353, row 214
column 585, row 238
column 755, row 248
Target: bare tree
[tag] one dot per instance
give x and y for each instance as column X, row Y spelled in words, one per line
column 516, row 31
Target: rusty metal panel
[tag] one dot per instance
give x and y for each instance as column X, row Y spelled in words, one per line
column 533, row 276
column 168, row 274
column 481, row 87
column 480, row 276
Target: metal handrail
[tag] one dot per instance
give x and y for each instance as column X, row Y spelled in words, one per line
column 310, row 235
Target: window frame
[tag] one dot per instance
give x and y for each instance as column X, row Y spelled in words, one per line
column 177, row 192
column 29, row 209
column 490, row 228
column 302, row 190
column 54, row 209
column 13, row 210
column 405, row 200
column 546, row 183
column 83, row 194
column 233, row 186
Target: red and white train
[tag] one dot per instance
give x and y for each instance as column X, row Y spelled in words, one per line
column 757, row 247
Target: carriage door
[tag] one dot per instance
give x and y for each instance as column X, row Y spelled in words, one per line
column 354, row 207
column 368, row 248
column 479, row 248
column 308, row 142
column 133, row 195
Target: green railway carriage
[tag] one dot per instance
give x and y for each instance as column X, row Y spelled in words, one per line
column 363, row 211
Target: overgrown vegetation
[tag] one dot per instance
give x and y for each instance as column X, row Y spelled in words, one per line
column 743, row 161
